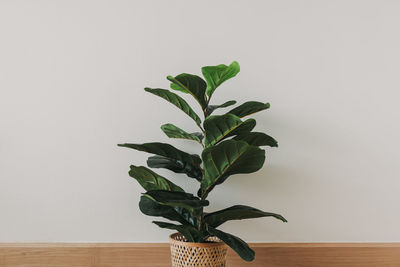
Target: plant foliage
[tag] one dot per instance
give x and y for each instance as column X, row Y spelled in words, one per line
column 229, row 146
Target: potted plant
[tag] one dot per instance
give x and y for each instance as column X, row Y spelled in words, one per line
column 229, row 146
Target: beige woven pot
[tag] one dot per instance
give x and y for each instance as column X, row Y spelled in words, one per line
column 187, row 254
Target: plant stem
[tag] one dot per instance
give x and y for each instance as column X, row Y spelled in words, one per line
column 205, row 110
column 201, row 143
column 202, row 130
column 208, row 100
column 200, row 221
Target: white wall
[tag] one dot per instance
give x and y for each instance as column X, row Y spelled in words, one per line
column 72, row 75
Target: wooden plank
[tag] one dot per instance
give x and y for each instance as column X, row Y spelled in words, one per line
column 157, row 255
column 323, row 255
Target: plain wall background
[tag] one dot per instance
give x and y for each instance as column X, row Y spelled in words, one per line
column 72, row 75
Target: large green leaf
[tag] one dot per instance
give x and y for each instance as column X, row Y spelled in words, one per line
column 176, row 100
column 175, row 132
column 257, row 139
column 228, row 158
column 238, row 212
column 152, row 208
column 211, row 108
column 191, row 84
column 193, row 171
column 165, row 150
column 249, row 108
column 237, row 244
column 216, row 75
column 218, row 127
column 178, row 199
column 150, row 180
column 189, row 232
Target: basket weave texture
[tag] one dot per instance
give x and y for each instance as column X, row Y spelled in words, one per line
column 187, row 254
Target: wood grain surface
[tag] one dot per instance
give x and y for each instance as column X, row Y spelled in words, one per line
column 157, row 255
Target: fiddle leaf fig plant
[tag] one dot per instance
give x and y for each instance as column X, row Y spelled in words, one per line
column 229, row 146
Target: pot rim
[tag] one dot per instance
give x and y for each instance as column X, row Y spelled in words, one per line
column 172, row 240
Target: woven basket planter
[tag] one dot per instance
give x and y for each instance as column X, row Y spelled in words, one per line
column 187, row 254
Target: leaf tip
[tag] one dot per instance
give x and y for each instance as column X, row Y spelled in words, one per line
column 235, row 63
column 251, row 258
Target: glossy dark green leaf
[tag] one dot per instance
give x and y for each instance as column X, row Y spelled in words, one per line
column 228, row 158
column 191, row 84
column 238, row 212
column 216, row 75
column 249, row 108
column 257, row 139
column 150, row 180
column 176, row 100
column 237, row 244
column 177, row 199
column 173, row 131
column 219, row 127
column 211, row 108
column 165, row 150
column 189, row 232
column 193, row 171
column 152, row 208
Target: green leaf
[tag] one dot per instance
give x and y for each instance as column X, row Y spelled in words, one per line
column 193, row 171
column 237, row 244
column 219, row 127
column 238, row 212
column 170, row 158
column 176, row 100
column 178, row 199
column 228, row 158
column 211, row 108
column 189, row 232
column 192, row 84
column 165, row 150
column 257, row 139
column 152, row 208
column 199, row 135
column 174, row 132
column 150, row 180
column 249, row 108
column 188, row 217
column 216, row 75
